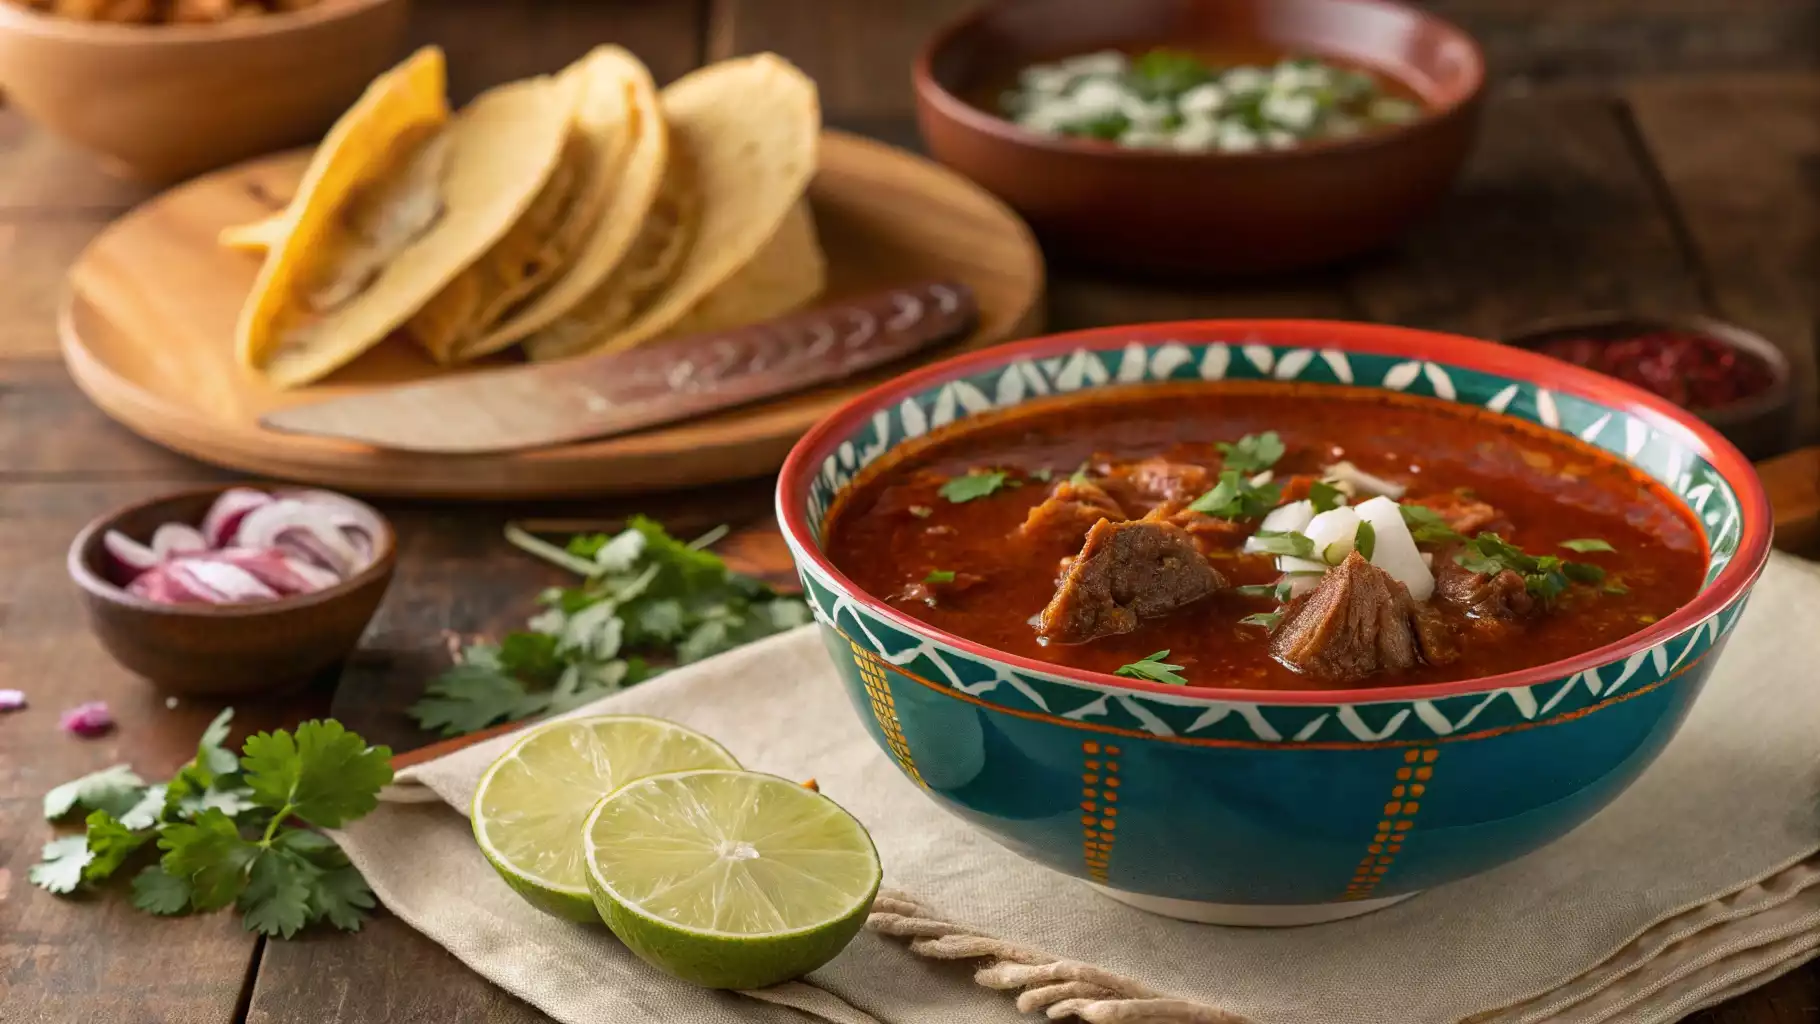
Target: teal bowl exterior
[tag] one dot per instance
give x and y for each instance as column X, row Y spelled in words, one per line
column 1263, row 807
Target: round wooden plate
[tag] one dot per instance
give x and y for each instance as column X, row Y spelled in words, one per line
column 147, row 330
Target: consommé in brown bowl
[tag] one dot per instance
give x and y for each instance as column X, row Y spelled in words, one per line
column 1176, row 210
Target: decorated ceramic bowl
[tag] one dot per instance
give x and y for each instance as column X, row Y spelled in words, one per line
column 1273, row 807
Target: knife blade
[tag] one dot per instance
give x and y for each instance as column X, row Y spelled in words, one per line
column 541, row 404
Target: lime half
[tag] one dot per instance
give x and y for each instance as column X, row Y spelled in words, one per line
column 729, row 879
column 530, row 805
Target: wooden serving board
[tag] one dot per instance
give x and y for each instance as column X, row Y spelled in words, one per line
column 147, row 331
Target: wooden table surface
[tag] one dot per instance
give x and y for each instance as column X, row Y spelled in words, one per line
column 1636, row 153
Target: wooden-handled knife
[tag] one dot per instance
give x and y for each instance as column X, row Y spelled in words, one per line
column 543, row 404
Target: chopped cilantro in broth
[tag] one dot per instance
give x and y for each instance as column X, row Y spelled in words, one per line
column 880, row 539
column 1172, row 99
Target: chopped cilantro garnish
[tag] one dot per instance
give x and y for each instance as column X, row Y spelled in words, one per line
column 1427, row 526
column 1256, row 590
column 974, row 485
column 1269, row 620
column 1366, row 540
column 1153, row 668
column 1544, row 576
column 1234, row 497
column 1044, row 474
column 1325, row 497
column 1284, row 542
column 921, row 511
column 1253, row 453
column 1587, row 545
column 1615, row 587
column 939, row 576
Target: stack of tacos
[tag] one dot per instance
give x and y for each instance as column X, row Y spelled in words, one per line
column 579, row 213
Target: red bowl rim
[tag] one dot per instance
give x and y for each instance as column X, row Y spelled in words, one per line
column 805, row 459
column 956, row 109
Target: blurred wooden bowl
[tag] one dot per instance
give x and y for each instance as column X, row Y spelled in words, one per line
column 1761, row 425
column 1192, row 212
column 164, row 102
column 256, row 647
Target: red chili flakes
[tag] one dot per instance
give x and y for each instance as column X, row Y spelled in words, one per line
column 1690, row 370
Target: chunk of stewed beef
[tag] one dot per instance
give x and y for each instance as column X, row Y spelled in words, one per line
column 1070, row 511
column 1503, row 597
column 1467, row 516
column 1360, row 621
column 1211, row 533
column 1126, row 572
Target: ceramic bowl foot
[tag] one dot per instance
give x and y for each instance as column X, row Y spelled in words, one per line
column 1250, row 915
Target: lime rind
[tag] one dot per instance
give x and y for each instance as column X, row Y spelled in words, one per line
column 818, row 855
column 528, row 809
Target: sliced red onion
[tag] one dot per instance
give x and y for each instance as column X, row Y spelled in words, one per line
column 177, row 539
column 223, row 518
column 221, row 582
column 88, row 720
column 280, row 570
column 161, row 586
column 131, row 555
column 12, row 700
column 308, row 529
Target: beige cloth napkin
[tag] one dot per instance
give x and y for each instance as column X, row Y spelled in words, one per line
column 1700, row 882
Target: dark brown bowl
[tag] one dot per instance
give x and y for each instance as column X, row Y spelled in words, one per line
column 222, row 649
column 1760, row 425
column 1204, row 213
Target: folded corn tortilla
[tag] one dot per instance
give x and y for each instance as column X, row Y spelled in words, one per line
column 397, row 203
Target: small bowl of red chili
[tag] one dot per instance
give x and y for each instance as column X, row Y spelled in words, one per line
column 1732, row 378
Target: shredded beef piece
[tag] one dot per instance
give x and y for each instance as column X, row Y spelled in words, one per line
column 1357, row 622
column 1070, row 511
column 1500, row 598
column 1467, row 516
column 1155, row 482
column 1126, row 572
column 1210, row 533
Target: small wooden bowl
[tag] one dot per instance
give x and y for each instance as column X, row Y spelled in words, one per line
column 163, row 102
column 1759, row 425
column 222, row 649
column 1204, row 213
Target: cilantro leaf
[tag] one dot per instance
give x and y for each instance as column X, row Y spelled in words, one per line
column 1427, row 526
column 148, row 810
column 211, row 750
column 1366, row 540
column 210, row 855
column 1045, row 474
column 1252, row 453
column 1325, row 497
column 110, row 843
column 921, row 511
column 323, row 774
column 337, row 892
column 276, row 901
column 1153, row 668
column 1256, row 590
column 1587, row 545
column 1234, row 497
column 1269, row 620
column 470, row 697
column 1581, row 572
column 114, row 789
column 939, row 576
column 972, row 486
column 61, row 868
column 1614, row 587
column 1079, row 478
column 157, row 891
column 529, row 656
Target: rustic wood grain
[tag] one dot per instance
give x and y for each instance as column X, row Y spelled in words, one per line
column 43, row 177
column 489, row 42
column 34, row 256
column 1740, row 156
column 1555, row 214
column 48, row 430
column 94, row 959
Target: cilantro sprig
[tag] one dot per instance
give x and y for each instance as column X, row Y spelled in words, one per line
column 1545, row 577
column 1427, row 526
column 1153, row 668
column 974, row 485
column 238, row 831
column 646, row 599
column 1252, row 453
column 1235, row 497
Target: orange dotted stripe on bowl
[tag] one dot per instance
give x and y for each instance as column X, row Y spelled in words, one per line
column 1399, row 817
column 884, row 708
column 1099, row 806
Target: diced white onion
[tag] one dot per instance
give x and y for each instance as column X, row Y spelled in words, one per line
column 1353, row 481
column 1333, row 532
column 1290, row 518
column 1290, row 563
column 1395, row 550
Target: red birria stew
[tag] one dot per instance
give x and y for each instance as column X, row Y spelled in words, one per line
column 1267, row 536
